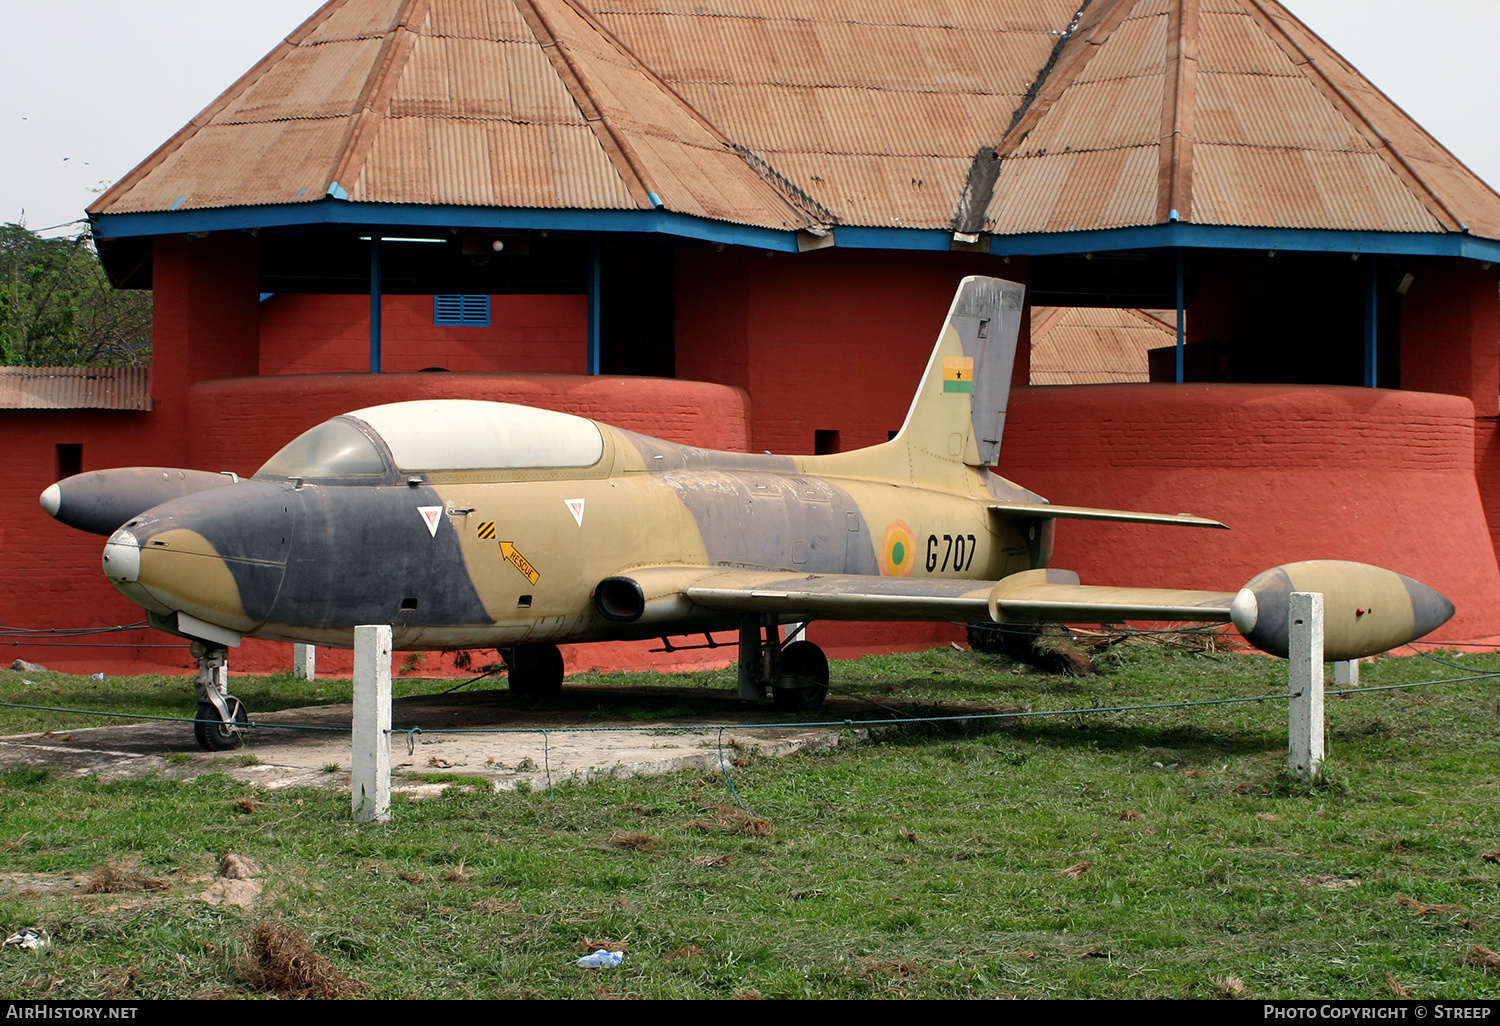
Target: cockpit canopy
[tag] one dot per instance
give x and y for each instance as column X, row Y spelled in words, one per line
column 436, row 435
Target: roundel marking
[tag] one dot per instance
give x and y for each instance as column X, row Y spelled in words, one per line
column 897, row 550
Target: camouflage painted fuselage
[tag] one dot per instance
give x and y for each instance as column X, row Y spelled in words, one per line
column 480, row 558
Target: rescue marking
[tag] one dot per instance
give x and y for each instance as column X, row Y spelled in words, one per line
column 432, row 516
column 897, row 550
column 487, row 530
column 958, row 374
column 519, row 562
column 575, row 507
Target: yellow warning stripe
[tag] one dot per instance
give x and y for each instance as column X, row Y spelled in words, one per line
column 487, row 530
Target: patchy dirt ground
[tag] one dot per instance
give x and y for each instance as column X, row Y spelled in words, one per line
column 592, row 731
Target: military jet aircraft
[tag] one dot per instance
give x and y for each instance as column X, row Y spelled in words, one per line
column 468, row 524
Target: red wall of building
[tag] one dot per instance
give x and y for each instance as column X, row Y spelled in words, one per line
column 1372, row 475
column 315, row 334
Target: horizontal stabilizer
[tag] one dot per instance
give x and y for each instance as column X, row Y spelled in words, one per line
column 1047, row 511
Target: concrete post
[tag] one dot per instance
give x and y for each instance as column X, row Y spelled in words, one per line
column 1305, row 662
column 370, row 796
column 305, row 662
column 1346, row 673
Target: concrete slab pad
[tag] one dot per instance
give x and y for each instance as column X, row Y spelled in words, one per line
column 591, row 732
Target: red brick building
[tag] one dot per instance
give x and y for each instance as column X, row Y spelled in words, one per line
column 740, row 223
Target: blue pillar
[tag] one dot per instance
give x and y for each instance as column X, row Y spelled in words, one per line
column 595, row 259
column 376, row 290
column 1372, row 312
column 1181, row 320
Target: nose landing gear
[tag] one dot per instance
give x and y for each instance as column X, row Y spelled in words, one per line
column 221, row 716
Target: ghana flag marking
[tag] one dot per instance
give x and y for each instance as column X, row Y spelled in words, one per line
column 897, row 550
column 958, row 374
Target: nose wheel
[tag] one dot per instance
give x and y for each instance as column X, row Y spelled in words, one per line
column 215, row 733
column 221, row 717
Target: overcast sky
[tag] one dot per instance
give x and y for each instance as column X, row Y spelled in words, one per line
column 93, row 86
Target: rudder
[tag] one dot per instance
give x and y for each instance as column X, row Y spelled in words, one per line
column 959, row 409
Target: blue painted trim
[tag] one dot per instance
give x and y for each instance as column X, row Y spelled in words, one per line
column 855, row 237
column 1372, row 322
column 377, row 294
column 664, row 222
column 1209, row 236
column 394, row 215
column 1181, row 321
column 596, row 275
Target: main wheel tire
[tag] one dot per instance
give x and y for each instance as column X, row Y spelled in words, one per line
column 804, row 678
column 212, row 733
column 534, row 670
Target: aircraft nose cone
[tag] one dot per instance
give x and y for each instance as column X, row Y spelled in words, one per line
column 51, row 500
column 122, row 557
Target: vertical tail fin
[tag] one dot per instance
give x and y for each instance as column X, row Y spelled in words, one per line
column 959, row 410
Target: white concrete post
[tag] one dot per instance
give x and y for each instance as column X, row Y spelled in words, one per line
column 1346, row 673
column 1305, row 680
column 305, row 662
column 370, row 795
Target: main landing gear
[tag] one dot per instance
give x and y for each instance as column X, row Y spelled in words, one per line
column 535, row 671
column 221, row 716
column 797, row 674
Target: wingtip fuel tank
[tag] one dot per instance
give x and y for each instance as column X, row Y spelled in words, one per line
column 1366, row 610
column 101, row 500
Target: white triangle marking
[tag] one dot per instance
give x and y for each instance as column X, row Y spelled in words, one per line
column 431, row 515
column 575, row 506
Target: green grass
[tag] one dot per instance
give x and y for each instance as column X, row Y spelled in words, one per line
column 917, row 863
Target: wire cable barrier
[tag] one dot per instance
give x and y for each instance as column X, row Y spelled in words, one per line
column 412, row 733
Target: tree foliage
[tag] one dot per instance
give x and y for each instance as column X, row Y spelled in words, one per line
column 57, row 306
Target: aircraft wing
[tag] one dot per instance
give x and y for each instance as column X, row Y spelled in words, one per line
column 1366, row 610
column 1047, row 511
column 1032, row 596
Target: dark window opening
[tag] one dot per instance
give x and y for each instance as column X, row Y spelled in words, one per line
column 524, row 602
column 408, row 603
column 825, row 442
column 69, row 460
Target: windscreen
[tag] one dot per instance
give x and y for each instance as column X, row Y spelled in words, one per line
column 335, row 448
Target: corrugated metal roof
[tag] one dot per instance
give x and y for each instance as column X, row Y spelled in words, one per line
column 75, row 388
column 1091, row 346
column 786, row 114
